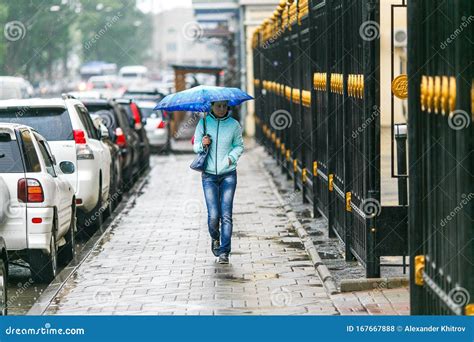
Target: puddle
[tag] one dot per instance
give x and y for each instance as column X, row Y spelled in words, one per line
column 298, row 259
column 226, row 276
column 292, row 244
column 328, row 255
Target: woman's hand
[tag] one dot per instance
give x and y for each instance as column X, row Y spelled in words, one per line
column 206, row 141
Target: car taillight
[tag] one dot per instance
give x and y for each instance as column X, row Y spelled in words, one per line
column 83, row 151
column 79, row 136
column 135, row 112
column 30, row 191
column 162, row 124
column 120, row 140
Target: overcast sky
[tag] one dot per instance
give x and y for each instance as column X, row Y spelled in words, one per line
column 161, row 5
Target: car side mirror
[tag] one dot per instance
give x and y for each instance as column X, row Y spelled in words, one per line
column 67, row 167
column 144, row 122
column 104, row 132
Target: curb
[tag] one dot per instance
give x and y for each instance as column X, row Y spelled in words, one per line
column 321, row 268
column 52, row 290
column 367, row 284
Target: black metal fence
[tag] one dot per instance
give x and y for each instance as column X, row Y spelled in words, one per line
column 441, row 104
column 316, row 75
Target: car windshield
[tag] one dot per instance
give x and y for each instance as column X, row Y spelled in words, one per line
column 92, row 108
column 10, row 156
column 52, row 123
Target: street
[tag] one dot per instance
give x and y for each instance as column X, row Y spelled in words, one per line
column 155, row 256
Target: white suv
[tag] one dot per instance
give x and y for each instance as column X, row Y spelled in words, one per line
column 37, row 205
column 69, row 130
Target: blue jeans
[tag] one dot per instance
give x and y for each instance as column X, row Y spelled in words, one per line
column 219, row 193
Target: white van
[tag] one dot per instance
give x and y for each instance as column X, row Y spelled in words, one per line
column 133, row 74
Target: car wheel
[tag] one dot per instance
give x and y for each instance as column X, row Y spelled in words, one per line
column 3, row 288
column 44, row 266
column 96, row 216
column 68, row 251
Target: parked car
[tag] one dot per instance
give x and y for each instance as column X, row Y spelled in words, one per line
column 135, row 116
column 40, row 222
column 116, row 182
column 156, row 126
column 143, row 93
column 121, row 132
column 15, row 88
column 3, row 277
column 69, row 129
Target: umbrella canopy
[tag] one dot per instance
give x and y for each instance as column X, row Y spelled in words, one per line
column 198, row 99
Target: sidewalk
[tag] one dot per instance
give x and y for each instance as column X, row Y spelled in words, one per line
column 156, row 257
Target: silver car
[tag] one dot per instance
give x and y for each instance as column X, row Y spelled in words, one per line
column 156, row 126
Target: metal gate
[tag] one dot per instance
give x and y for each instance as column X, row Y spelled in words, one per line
column 441, row 159
column 320, row 100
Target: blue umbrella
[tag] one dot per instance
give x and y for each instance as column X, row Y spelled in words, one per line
column 198, row 99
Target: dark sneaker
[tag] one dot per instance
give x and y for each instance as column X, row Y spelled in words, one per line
column 224, row 258
column 215, row 245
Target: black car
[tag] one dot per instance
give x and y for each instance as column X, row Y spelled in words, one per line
column 121, row 132
column 116, row 180
column 135, row 115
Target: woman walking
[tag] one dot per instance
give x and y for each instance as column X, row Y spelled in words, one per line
column 224, row 139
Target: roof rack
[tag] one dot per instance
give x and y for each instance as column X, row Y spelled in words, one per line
column 67, row 96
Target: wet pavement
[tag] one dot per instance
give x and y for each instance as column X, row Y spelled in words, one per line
column 155, row 258
column 331, row 250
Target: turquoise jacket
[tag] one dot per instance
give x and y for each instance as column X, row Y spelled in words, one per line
column 226, row 143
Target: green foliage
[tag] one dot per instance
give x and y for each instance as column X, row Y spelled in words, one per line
column 44, row 33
